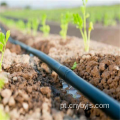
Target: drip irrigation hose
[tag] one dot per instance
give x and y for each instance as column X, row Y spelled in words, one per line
column 92, row 93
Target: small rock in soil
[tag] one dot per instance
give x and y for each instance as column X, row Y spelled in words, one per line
column 11, row 101
column 46, row 68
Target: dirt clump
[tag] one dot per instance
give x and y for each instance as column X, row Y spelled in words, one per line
column 43, row 46
column 14, row 48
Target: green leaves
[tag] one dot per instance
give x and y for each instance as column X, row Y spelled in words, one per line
column 45, row 28
column 7, row 35
column 81, row 24
column 35, row 23
column 78, row 21
column 65, row 19
column 2, row 38
column 74, row 65
column 20, row 25
column 44, row 17
column 91, row 26
column 29, row 26
column 1, row 47
column 3, row 42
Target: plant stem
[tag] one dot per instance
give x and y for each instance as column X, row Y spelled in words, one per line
column 84, row 17
column 89, row 36
column 2, row 58
column 1, row 61
column 85, row 42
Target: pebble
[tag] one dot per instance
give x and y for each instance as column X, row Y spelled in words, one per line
column 15, row 78
column 6, row 93
column 102, row 66
column 14, row 114
column 7, row 109
column 25, row 106
column 45, row 90
column 45, row 67
column 11, row 101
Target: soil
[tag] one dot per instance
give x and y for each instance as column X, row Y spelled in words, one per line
column 102, row 71
column 35, row 92
column 43, row 46
column 33, row 95
column 14, row 48
column 73, row 46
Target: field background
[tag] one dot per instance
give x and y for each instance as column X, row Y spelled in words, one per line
column 107, row 15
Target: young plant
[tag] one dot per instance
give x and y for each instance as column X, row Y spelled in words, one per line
column 35, row 23
column 20, row 25
column 45, row 28
column 3, row 41
column 81, row 24
column 29, row 26
column 74, row 65
column 65, row 19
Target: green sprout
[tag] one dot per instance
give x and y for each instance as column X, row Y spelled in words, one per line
column 81, row 24
column 35, row 23
column 3, row 42
column 74, row 65
column 65, row 19
column 45, row 28
column 20, row 25
column 29, row 26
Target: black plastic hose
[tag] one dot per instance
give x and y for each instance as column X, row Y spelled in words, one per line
column 92, row 93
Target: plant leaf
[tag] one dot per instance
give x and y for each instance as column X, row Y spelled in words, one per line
column 1, row 47
column 7, row 35
column 2, row 38
column 74, row 65
column 91, row 26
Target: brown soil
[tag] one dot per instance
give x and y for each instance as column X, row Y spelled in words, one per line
column 29, row 94
column 43, row 46
column 103, row 71
column 14, row 48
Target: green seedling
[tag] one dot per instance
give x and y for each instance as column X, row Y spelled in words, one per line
column 35, row 23
column 20, row 25
column 3, row 41
column 45, row 28
column 81, row 24
column 29, row 26
column 65, row 19
column 74, row 65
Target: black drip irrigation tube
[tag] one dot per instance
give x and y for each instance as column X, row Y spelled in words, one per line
column 92, row 93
